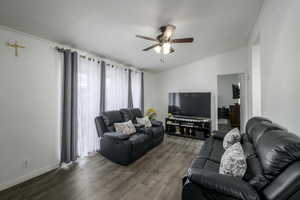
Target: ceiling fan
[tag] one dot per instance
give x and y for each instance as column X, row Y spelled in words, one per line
column 164, row 40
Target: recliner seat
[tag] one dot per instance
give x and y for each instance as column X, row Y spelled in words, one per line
column 125, row 149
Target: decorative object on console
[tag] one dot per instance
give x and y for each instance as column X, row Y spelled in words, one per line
column 145, row 121
column 231, row 138
column 151, row 113
column 125, row 127
column 233, row 161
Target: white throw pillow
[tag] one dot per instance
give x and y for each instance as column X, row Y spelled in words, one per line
column 125, row 127
column 233, row 161
column 145, row 121
column 231, row 138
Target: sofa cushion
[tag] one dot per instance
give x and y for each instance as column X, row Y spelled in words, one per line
column 260, row 129
column 110, row 118
column 127, row 115
column 276, row 151
column 131, row 114
column 116, row 136
column 232, row 137
column 251, row 123
column 145, row 121
column 255, row 175
column 136, row 112
column 139, row 145
column 212, row 149
column 125, row 127
column 248, row 149
column 204, row 163
column 233, row 161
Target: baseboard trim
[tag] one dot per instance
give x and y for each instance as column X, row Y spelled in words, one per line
column 28, row 176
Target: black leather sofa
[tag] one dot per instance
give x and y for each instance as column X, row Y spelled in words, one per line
column 125, row 149
column 273, row 167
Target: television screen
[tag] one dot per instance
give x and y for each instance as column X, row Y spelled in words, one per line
column 190, row 104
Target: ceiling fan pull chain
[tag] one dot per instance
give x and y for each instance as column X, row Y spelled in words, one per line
column 163, row 59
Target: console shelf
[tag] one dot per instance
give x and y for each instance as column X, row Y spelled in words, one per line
column 190, row 128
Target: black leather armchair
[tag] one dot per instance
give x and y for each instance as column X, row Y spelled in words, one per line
column 121, row 148
column 273, row 167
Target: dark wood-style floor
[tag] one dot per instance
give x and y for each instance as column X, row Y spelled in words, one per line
column 155, row 176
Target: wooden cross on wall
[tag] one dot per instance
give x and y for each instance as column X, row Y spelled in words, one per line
column 16, row 46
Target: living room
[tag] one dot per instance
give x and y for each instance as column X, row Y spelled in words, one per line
column 73, row 72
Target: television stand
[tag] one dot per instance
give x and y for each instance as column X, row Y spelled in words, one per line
column 188, row 127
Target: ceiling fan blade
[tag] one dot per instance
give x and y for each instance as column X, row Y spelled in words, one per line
column 151, row 47
column 182, row 40
column 146, row 38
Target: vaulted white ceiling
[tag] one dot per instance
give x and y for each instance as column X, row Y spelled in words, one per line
column 108, row 27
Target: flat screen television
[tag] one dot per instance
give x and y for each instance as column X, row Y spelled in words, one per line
column 196, row 105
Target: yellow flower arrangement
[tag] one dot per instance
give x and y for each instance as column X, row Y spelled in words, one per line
column 151, row 113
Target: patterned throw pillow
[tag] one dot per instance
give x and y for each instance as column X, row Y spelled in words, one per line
column 125, row 127
column 231, row 138
column 233, row 161
column 145, row 121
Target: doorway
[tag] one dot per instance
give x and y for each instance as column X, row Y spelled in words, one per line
column 229, row 101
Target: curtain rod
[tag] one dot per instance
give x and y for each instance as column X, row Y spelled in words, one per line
column 81, row 56
column 60, row 49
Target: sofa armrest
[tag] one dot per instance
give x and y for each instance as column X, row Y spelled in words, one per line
column 223, row 184
column 156, row 123
column 116, row 136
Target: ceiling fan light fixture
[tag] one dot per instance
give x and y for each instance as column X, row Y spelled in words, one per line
column 169, row 29
column 166, row 48
column 157, row 49
column 168, row 33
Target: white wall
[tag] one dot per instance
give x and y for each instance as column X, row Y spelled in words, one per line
column 278, row 28
column 256, row 80
column 30, row 108
column 225, row 93
column 200, row 76
column 150, row 90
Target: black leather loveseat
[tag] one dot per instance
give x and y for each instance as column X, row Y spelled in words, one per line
column 273, row 167
column 123, row 148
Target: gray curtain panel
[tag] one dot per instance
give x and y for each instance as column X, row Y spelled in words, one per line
column 70, row 121
column 130, row 100
column 142, row 93
column 102, row 85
